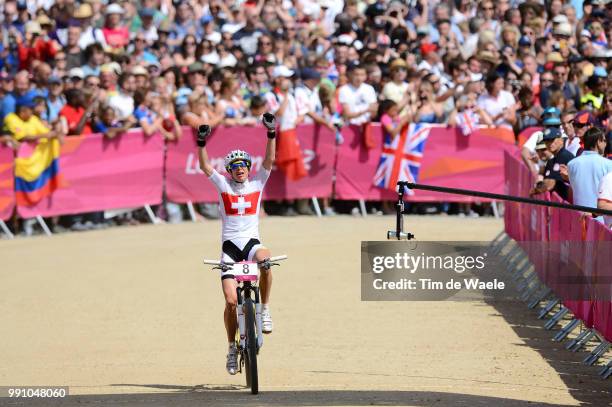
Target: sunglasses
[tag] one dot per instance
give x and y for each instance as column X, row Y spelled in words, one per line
column 238, row 164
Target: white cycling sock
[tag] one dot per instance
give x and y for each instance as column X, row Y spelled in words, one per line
column 265, row 307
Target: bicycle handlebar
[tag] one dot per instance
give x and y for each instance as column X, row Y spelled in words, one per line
column 219, row 263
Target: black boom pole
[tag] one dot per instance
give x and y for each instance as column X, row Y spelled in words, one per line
column 399, row 233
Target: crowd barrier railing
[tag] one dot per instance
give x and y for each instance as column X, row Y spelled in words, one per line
column 569, row 239
column 133, row 170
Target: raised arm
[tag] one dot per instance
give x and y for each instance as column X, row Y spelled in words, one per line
column 203, row 133
column 269, row 121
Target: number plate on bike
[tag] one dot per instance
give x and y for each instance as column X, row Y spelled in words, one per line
column 245, row 271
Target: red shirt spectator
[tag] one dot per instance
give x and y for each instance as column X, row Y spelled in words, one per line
column 116, row 35
column 35, row 47
column 72, row 114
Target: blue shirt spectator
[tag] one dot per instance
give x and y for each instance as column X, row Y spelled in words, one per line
column 586, row 171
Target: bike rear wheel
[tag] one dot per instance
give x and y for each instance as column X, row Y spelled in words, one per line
column 251, row 346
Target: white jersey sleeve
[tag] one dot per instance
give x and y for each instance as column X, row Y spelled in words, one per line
column 260, row 178
column 219, row 181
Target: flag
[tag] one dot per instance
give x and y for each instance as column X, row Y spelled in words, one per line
column 37, row 171
column 467, row 121
column 401, row 156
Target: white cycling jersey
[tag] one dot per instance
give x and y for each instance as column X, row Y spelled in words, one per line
column 239, row 204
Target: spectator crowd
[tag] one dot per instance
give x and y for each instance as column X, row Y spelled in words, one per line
column 70, row 67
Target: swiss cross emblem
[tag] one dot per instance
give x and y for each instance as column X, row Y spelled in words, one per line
column 239, row 205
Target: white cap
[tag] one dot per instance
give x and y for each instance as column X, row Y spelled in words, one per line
column 76, row 72
column 282, row 70
column 139, row 70
column 114, row 9
column 560, row 18
column 563, row 29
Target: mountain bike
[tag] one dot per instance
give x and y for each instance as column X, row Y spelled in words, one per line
column 248, row 312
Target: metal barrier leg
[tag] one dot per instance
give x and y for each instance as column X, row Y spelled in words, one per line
column 539, row 298
column 512, row 253
column 606, row 371
column 317, row 208
column 556, row 318
column 43, row 225
column 562, row 334
column 6, row 230
column 497, row 238
column 577, row 339
column 362, row 208
column 588, row 334
column 495, row 210
column 499, row 246
column 154, row 219
column 548, row 307
column 519, row 272
column 530, row 291
column 192, row 212
column 514, row 261
column 526, row 282
column 597, row 353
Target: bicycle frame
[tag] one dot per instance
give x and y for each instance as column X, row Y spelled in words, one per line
column 244, row 290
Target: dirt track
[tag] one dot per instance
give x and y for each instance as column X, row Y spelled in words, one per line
column 129, row 316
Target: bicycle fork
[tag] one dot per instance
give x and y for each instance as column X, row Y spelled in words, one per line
column 240, row 317
column 258, row 323
column 241, row 320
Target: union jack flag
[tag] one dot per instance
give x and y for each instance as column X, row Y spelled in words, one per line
column 401, row 156
column 468, row 122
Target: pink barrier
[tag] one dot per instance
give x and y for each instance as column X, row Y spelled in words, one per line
column 101, row 174
column 7, row 190
column 572, row 240
column 186, row 182
column 450, row 159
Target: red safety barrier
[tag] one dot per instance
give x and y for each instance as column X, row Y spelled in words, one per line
column 570, row 239
column 185, row 181
column 100, row 173
column 450, row 159
column 7, row 193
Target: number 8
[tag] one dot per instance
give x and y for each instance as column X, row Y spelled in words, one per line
column 245, row 269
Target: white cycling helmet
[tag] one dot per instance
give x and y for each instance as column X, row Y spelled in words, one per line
column 237, row 155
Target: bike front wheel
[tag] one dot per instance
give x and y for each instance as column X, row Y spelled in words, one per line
column 251, row 346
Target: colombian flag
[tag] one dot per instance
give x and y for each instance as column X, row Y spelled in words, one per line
column 37, row 175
